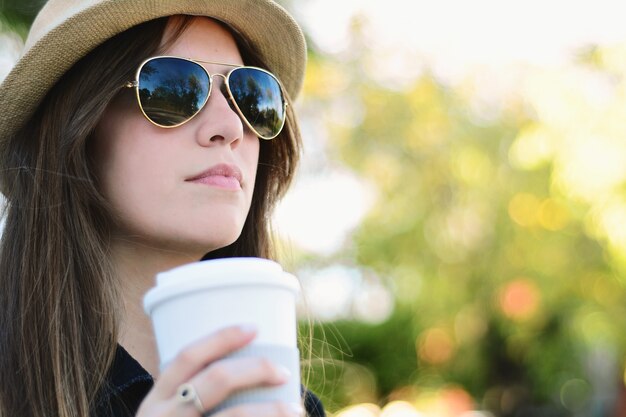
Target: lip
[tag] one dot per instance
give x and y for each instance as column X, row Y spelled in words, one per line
column 226, row 176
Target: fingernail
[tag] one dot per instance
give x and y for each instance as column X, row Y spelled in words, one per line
column 284, row 372
column 295, row 408
column 248, row 328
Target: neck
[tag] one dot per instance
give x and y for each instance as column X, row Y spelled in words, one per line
column 137, row 266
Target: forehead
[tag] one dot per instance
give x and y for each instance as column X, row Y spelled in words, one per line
column 202, row 39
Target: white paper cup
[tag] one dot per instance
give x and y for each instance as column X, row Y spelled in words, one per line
column 195, row 300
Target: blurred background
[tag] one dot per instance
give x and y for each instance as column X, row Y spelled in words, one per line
column 459, row 219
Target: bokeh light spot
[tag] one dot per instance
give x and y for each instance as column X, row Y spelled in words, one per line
column 524, row 208
column 435, row 346
column 575, row 394
column 519, row 299
column 553, row 215
column 532, row 148
column 472, row 166
column 400, row 409
column 360, row 410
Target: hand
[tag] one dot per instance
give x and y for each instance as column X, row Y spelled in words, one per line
column 202, row 366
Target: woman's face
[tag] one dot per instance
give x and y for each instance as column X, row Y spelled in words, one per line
column 153, row 177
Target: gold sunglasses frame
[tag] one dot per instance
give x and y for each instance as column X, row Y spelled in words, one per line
column 135, row 84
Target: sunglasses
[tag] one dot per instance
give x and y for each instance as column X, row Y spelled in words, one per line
column 172, row 90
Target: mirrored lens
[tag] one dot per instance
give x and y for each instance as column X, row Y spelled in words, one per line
column 172, row 90
column 260, row 100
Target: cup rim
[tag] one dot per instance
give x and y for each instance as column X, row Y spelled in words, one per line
column 266, row 273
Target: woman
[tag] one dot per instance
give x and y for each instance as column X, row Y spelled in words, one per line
column 133, row 141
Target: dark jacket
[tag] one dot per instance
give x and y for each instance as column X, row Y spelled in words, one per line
column 128, row 383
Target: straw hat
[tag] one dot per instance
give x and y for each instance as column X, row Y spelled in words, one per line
column 66, row 30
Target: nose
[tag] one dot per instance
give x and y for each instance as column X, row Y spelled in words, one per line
column 220, row 124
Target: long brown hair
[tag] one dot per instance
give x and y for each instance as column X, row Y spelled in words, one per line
column 58, row 294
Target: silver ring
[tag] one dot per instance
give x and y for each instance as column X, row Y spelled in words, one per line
column 186, row 394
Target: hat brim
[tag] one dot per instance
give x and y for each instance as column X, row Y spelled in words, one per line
column 268, row 28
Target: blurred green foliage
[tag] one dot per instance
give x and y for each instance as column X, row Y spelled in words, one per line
column 503, row 286
column 17, row 15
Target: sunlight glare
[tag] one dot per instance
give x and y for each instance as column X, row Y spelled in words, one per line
column 320, row 211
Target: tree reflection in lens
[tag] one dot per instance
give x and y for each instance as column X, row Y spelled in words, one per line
column 172, row 90
column 259, row 99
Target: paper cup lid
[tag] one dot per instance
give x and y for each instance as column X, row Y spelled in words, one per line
column 218, row 273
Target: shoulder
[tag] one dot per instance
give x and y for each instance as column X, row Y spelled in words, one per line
column 125, row 387
column 313, row 405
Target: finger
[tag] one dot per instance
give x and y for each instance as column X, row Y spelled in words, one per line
column 198, row 355
column 224, row 377
column 172, row 407
column 275, row 409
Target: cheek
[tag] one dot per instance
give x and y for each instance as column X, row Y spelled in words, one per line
column 127, row 162
column 253, row 153
column 109, row 136
column 251, row 160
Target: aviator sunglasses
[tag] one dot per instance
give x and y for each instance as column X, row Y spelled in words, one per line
column 172, row 90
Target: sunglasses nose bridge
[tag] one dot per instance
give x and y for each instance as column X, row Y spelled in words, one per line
column 224, row 77
column 223, row 88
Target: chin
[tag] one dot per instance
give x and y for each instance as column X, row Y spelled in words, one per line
column 219, row 237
